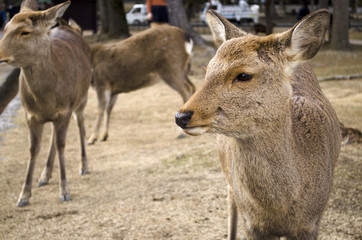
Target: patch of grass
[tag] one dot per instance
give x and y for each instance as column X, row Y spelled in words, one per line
column 198, row 160
column 329, row 62
column 345, row 97
column 355, row 34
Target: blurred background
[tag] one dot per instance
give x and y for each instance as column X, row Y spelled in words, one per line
column 118, row 18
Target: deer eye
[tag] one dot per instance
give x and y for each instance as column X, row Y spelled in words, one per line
column 24, row 33
column 243, row 77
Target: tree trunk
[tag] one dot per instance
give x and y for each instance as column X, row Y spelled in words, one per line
column 273, row 10
column 268, row 16
column 323, row 4
column 103, row 15
column 340, row 38
column 177, row 17
column 117, row 23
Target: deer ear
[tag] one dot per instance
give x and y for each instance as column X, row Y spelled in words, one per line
column 221, row 28
column 307, row 36
column 52, row 14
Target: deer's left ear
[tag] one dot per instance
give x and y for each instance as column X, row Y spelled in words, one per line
column 221, row 28
column 51, row 15
column 307, row 36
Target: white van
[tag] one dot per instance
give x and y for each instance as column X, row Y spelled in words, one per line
column 241, row 12
column 137, row 14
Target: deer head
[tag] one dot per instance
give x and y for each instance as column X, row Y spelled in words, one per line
column 247, row 85
column 26, row 36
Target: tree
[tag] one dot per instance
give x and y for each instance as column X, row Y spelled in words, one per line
column 177, row 17
column 323, row 4
column 269, row 5
column 103, row 15
column 340, row 38
column 113, row 18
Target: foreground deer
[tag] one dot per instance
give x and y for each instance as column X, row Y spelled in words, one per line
column 278, row 135
column 133, row 63
column 54, row 80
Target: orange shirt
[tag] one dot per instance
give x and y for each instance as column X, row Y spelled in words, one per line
column 154, row 2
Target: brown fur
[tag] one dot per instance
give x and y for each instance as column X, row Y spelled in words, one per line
column 278, row 135
column 9, row 88
column 132, row 64
column 54, row 80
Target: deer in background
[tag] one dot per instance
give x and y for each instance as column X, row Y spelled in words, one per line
column 9, row 88
column 278, row 135
column 54, row 80
column 134, row 63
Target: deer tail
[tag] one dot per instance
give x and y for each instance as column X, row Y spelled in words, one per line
column 189, row 44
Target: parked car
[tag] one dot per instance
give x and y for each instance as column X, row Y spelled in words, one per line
column 137, row 14
column 241, row 12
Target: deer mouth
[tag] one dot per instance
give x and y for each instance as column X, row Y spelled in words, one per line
column 6, row 60
column 195, row 131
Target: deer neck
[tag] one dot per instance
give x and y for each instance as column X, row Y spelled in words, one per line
column 40, row 67
column 251, row 163
column 274, row 143
column 38, row 77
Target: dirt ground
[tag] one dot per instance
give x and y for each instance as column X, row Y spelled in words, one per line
column 147, row 184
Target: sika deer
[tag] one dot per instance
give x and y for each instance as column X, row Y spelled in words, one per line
column 54, row 80
column 278, row 136
column 132, row 64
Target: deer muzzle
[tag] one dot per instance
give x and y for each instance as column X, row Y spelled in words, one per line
column 183, row 119
column 6, row 60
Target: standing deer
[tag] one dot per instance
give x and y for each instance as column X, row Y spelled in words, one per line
column 54, row 80
column 278, row 136
column 134, row 63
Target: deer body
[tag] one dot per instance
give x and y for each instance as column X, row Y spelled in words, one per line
column 278, row 136
column 54, row 80
column 46, row 100
column 134, row 63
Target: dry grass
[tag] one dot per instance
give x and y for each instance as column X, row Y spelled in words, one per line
column 355, row 34
column 330, row 63
column 146, row 184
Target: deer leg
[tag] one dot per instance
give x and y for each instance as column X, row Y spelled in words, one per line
column 305, row 235
column 102, row 102
column 47, row 171
column 79, row 116
column 257, row 234
column 35, row 131
column 233, row 216
column 179, row 81
column 61, row 127
column 110, row 106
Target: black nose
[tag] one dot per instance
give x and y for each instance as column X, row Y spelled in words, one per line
column 182, row 119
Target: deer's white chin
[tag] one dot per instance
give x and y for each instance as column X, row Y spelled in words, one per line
column 194, row 131
column 8, row 60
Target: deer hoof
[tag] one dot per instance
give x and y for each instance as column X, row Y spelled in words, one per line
column 65, row 197
column 22, row 202
column 83, row 172
column 105, row 137
column 92, row 139
column 42, row 183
